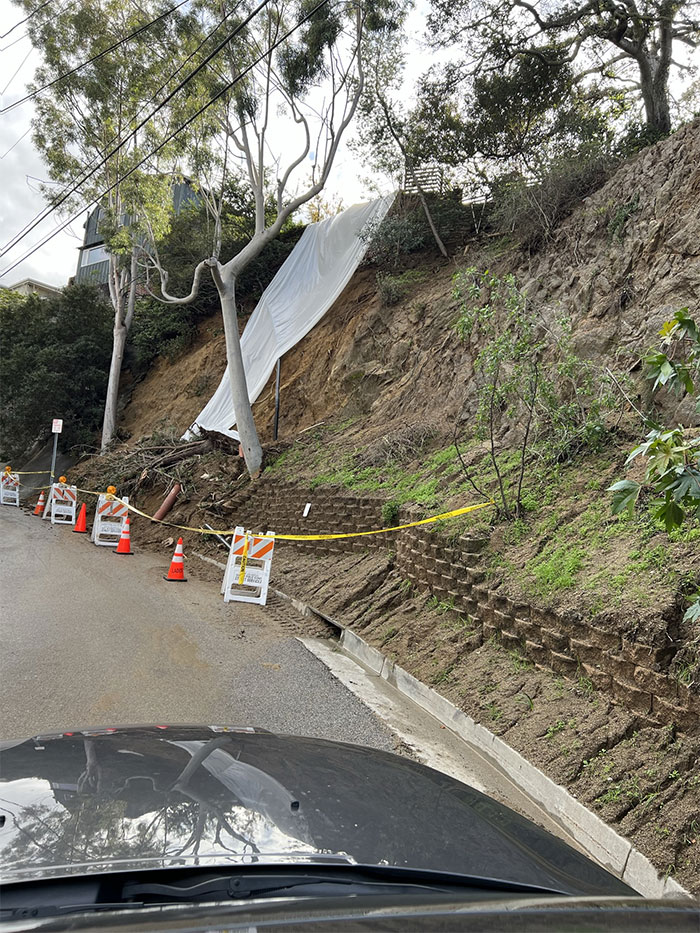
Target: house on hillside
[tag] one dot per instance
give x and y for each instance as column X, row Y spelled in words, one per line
column 93, row 258
column 33, row 287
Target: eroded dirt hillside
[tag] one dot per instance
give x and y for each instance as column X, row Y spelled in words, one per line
column 625, row 259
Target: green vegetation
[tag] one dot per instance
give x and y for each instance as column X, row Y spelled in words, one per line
column 618, row 222
column 392, row 288
column 527, row 374
column 672, row 456
column 54, row 363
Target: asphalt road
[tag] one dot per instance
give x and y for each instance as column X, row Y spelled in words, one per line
column 90, row 638
column 93, row 639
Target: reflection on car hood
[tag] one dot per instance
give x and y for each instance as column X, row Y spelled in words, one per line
column 107, row 800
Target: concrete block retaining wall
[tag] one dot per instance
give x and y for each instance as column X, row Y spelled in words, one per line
column 637, row 675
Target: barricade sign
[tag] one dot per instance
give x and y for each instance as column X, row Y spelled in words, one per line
column 9, row 489
column 248, row 567
column 110, row 516
column 63, row 501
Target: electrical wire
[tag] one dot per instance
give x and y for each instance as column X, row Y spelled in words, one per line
column 94, row 58
column 26, row 18
column 14, row 42
column 16, row 143
column 17, row 71
column 224, row 90
column 64, row 197
column 76, row 183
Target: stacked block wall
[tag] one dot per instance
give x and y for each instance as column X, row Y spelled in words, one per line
column 635, row 674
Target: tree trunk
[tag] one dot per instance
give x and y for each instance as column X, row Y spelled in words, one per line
column 122, row 323
column 429, row 218
column 252, row 451
column 109, row 425
column 654, row 87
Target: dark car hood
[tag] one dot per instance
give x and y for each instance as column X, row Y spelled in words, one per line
column 109, row 800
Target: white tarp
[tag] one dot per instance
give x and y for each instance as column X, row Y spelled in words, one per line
column 306, row 285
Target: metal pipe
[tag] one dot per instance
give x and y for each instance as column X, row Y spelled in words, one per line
column 168, row 502
column 226, row 544
column 53, row 458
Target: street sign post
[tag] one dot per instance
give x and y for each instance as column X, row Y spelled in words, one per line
column 56, row 428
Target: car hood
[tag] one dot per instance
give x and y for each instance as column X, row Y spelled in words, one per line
column 162, row 796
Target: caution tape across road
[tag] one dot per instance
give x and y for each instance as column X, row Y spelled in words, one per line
column 327, row 537
column 282, row 537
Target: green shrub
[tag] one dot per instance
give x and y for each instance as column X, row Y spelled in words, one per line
column 532, row 210
column 390, row 514
column 54, row 364
column 392, row 238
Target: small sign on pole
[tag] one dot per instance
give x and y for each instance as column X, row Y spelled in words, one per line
column 56, row 428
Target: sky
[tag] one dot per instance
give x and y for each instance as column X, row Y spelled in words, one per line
column 22, row 171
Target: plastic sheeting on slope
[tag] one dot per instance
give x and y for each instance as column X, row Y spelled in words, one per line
column 306, row 285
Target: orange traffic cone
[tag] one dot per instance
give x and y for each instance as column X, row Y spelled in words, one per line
column 81, row 525
column 177, row 565
column 124, row 546
column 39, row 510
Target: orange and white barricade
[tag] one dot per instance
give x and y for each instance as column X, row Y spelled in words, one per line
column 248, row 567
column 63, row 501
column 110, row 516
column 9, row 488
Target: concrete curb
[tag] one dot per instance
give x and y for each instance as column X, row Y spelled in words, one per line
column 597, row 838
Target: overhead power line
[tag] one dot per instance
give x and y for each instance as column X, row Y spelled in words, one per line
column 26, row 18
column 16, row 142
column 16, row 72
column 111, row 48
column 108, row 155
column 37, row 219
column 224, row 90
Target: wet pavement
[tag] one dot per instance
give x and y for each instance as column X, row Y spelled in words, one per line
column 91, row 638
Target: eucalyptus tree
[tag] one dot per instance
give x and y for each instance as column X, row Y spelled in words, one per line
column 84, row 123
column 286, row 90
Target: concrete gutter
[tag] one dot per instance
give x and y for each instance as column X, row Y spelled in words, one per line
column 593, row 835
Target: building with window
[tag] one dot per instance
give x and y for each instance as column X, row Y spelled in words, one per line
column 93, row 259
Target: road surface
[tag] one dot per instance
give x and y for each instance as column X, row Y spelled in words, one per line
column 90, row 638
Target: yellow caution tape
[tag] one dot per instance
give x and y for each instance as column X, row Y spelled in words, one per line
column 244, row 561
column 327, row 537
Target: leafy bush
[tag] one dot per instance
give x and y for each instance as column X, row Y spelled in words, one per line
column 159, row 330
column 673, row 455
column 390, row 514
column 54, row 364
column 533, row 210
column 392, row 238
column 637, row 137
column 527, row 374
